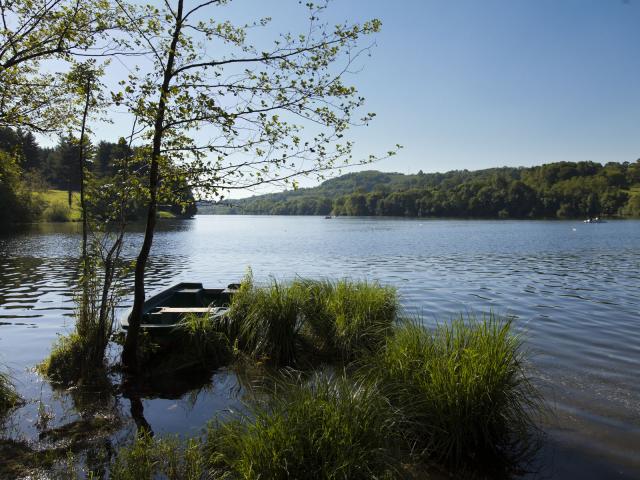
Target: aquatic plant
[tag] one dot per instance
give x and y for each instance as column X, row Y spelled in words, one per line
column 325, row 427
column 341, row 319
column 8, row 395
column 348, row 317
column 265, row 321
column 148, row 457
column 464, row 389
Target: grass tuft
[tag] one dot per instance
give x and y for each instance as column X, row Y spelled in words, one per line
column 265, row 321
column 148, row 458
column 64, row 365
column 196, row 344
column 8, row 396
column 464, row 388
column 339, row 320
column 348, row 318
column 326, row 427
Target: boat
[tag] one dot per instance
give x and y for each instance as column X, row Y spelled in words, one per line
column 594, row 220
column 163, row 310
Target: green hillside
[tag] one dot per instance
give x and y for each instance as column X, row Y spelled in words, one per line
column 556, row 190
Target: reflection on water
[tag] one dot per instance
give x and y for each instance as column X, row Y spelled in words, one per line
column 574, row 289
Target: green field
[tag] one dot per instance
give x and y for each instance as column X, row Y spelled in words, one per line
column 58, row 200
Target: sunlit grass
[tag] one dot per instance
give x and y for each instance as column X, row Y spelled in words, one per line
column 464, row 388
column 337, row 320
column 57, row 206
column 325, row 427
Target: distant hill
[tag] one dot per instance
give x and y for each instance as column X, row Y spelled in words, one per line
column 556, row 190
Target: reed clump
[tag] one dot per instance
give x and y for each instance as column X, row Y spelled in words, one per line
column 324, row 427
column 464, row 389
column 347, row 318
column 265, row 321
column 9, row 398
column 338, row 320
column 148, row 457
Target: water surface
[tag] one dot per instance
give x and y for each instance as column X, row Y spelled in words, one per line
column 573, row 288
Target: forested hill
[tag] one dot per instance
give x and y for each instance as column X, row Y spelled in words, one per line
column 556, row 190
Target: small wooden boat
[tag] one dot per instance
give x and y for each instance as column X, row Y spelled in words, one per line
column 162, row 311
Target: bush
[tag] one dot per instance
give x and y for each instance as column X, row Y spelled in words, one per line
column 464, row 389
column 324, row 428
column 57, row 212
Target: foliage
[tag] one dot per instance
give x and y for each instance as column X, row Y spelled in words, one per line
column 326, row 427
column 18, row 204
column 464, row 389
column 57, row 212
column 282, row 322
column 347, row 318
column 35, row 32
column 563, row 190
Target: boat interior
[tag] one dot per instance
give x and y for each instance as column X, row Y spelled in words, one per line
column 169, row 306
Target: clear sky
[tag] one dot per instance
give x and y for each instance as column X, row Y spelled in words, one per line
column 481, row 83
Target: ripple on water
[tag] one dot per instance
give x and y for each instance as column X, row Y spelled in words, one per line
column 575, row 295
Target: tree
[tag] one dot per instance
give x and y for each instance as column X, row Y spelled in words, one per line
column 253, row 105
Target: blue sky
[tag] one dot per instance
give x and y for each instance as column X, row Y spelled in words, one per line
column 481, row 83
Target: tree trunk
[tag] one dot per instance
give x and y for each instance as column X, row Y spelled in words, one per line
column 83, row 207
column 130, row 351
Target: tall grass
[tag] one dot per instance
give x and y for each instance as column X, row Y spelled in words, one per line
column 265, row 321
column 464, row 387
column 348, row 318
column 340, row 319
column 326, row 427
column 8, row 395
column 148, row 458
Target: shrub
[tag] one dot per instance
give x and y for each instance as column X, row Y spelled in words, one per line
column 464, row 388
column 57, row 212
column 327, row 427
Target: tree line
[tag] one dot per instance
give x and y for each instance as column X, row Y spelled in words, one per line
column 556, row 190
column 27, row 169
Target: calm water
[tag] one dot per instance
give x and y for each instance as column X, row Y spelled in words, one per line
column 574, row 289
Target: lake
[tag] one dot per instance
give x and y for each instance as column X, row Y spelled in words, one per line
column 573, row 288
